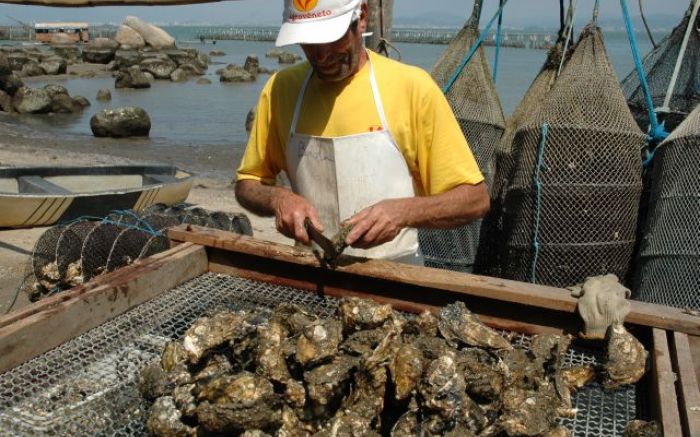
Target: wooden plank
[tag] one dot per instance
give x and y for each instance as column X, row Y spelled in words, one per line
column 689, row 393
column 694, row 342
column 51, row 326
column 495, row 289
column 663, row 386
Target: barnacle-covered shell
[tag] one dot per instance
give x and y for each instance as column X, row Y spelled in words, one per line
column 270, row 354
column 173, row 355
column 329, row 382
column 356, row 313
column 210, row 332
column 319, row 342
column 164, row 420
column 641, row 428
column 626, row 359
column 459, row 325
column 406, row 369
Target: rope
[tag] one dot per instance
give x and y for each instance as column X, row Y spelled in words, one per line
column 679, row 59
column 498, row 41
column 17, row 291
column 473, row 50
column 646, row 25
column 569, row 34
column 538, row 201
column 656, row 133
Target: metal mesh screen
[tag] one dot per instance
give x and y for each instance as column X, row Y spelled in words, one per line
column 571, row 205
column 474, row 101
column 659, row 65
column 90, row 382
column 488, row 259
column 669, row 260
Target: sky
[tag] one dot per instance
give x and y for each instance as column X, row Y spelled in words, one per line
column 517, row 13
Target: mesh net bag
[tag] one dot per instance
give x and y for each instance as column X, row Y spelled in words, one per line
column 43, row 278
column 154, row 245
column 669, row 260
column 96, row 249
column 68, row 250
column 582, row 220
column 127, row 248
column 476, row 106
column 659, row 65
column 487, row 259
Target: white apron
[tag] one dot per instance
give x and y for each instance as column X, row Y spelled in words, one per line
column 340, row 176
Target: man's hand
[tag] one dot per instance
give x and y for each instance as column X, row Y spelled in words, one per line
column 377, row 224
column 290, row 212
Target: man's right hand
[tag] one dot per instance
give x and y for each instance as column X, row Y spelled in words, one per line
column 290, row 212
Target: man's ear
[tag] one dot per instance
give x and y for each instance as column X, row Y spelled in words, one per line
column 364, row 17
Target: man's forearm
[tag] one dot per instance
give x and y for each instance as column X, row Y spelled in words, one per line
column 452, row 208
column 257, row 197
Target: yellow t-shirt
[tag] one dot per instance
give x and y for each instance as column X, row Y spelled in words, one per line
column 419, row 117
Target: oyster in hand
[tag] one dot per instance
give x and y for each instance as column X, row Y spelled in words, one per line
column 626, row 359
column 459, row 325
column 164, row 420
column 357, row 314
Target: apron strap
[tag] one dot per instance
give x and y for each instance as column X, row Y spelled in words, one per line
column 300, row 99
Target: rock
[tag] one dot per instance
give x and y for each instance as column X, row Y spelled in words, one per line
column 55, row 90
column 31, row 101
column 10, row 84
column 287, row 58
column 64, row 104
column 128, row 38
column 31, row 69
column 81, row 101
column 180, row 56
column 132, row 77
column 69, row 52
column 54, row 66
column 192, row 69
column 274, row 53
column 17, row 60
column 146, row 54
column 121, row 123
column 160, row 68
column 103, row 43
column 203, row 81
column 112, row 66
column 149, row 76
column 234, row 73
column 250, row 119
column 127, row 58
column 104, row 94
column 252, row 64
column 202, row 60
column 6, row 102
column 98, row 56
column 263, row 70
column 4, row 65
column 217, row 52
column 153, row 35
column 179, row 75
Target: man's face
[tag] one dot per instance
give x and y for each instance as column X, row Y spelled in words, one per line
column 340, row 59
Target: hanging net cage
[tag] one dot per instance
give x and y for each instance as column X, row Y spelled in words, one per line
column 659, row 66
column 669, row 259
column 476, row 106
column 572, row 202
column 487, row 260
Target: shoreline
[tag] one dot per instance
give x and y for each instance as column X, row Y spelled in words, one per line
column 21, row 147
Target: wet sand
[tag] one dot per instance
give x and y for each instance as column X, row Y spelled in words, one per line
column 23, row 146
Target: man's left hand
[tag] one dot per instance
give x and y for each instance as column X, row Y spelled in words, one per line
column 377, row 224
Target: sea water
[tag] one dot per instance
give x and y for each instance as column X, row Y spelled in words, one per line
column 213, row 116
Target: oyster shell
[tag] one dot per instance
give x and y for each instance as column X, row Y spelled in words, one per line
column 424, row 324
column 270, row 354
column 442, row 389
column 173, row 355
column 458, row 325
column 234, row 403
column 164, row 420
column 406, row 369
column 626, row 358
column 216, row 365
column 183, row 395
column 357, row 314
column 363, row 342
column 292, row 317
column 210, row 332
column 482, row 374
column 528, row 412
column 327, row 383
column 318, row 342
column 557, row 431
column 641, row 428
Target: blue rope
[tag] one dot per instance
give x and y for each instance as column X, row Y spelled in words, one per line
column 146, row 227
column 498, row 42
column 473, row 49
column 657, row 132
column 538, row 201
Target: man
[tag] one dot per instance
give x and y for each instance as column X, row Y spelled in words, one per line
column 363, row 139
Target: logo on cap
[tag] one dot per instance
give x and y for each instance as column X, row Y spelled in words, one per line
column 305, row 5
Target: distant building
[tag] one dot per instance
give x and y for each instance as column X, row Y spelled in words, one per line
column 47, row 32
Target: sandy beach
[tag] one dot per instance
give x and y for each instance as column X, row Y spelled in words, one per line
column 25, row 147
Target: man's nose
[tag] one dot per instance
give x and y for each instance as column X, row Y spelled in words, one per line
column 321, row 52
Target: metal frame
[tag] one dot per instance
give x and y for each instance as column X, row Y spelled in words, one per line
column 669, row 334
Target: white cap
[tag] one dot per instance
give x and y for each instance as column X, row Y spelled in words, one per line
column 316, row 21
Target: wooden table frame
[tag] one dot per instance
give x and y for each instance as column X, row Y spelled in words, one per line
column 670, row 334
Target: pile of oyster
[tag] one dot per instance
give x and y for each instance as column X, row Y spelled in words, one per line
column 367, row 371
